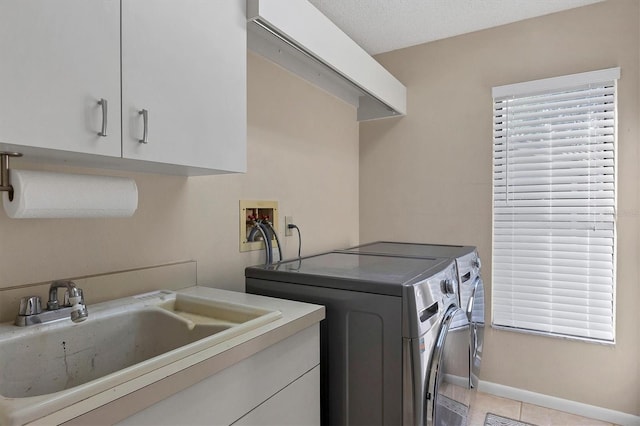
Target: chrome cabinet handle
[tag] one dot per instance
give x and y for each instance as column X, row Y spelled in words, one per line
column 103, row 103
column 145, row 121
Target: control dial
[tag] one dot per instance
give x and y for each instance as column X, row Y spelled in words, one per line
column 477, row 263
column 447, row 286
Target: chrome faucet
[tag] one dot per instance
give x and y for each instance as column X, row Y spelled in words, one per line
column 76, row 301
column 31, row 312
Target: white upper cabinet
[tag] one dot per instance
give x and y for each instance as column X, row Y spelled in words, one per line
column 183, row 62
column 58, row 59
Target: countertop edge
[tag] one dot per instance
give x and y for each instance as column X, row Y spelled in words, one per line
column 111, row 406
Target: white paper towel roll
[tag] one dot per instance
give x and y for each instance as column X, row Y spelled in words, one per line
column 39, row 194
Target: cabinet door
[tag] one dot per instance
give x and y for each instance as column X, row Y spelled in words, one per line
column 58, row 58
column 184, row 62
column 296, row 405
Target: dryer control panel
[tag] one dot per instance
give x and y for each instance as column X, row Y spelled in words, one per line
column 429, row 299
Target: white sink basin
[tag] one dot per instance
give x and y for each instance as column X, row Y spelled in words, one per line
column 118, row 337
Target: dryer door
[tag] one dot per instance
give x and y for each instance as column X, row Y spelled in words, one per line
column 447, row 393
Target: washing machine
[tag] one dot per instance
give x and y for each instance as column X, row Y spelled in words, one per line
column 470, row 293
column 384, row 340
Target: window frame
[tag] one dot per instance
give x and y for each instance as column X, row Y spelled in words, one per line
column 550, row 86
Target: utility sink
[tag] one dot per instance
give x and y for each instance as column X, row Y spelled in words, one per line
column 119, row 338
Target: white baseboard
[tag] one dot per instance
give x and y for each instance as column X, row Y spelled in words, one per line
column 456, row 380
column 560, row 404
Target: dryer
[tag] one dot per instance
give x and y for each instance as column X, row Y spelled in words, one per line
column 384, row 337
column 470, row 293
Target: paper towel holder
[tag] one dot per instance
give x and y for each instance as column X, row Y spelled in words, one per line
column 5, row 184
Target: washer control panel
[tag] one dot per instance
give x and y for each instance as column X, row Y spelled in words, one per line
column 429, row 299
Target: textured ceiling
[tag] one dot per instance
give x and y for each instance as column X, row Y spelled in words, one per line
column 383, row 25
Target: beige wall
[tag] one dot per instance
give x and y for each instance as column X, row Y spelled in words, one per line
column 302, row 152
column 427, row 177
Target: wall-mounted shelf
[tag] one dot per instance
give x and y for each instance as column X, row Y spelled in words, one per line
column 297, row 36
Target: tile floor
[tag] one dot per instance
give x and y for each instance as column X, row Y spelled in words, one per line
column 540, row 416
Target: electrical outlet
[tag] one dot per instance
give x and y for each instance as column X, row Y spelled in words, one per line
column 287, row 220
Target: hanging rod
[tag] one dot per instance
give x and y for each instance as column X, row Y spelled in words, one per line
column 5, row 183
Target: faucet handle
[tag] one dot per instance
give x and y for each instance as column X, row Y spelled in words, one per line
column 31, row 305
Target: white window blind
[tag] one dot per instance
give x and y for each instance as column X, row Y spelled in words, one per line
column 554, row 205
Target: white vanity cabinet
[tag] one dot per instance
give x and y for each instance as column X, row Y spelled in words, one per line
column 279, row 385
column 182, row 62
column 58, row 59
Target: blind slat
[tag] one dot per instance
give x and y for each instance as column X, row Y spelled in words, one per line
column 544, row 105
column 591, row 170
column 529, row 285
column 567, row 94
column 526, row 233
column 559, row 202
column 558, row 187
column 515, row 158
column 560, row 164
column 507, row 213
column 556, row 180
column 499, row 114
column 573, row 117
column 601, row 134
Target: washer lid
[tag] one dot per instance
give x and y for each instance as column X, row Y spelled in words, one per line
column 352, row 271
column 411, row 249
